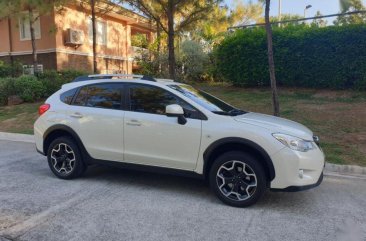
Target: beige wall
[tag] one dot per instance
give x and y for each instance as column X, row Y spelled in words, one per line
column 114, row 55
column 115, row 49
column 47, row 40
column 76, row 19
column 4, row 36
column 82, row 62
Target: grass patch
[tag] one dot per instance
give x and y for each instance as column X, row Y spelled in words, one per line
column 336, row 116
column 19, row 118
column 334, row 153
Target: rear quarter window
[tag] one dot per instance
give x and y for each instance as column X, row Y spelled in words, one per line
column 67, row 96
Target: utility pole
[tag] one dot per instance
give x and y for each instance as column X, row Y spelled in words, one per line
column 279, row 12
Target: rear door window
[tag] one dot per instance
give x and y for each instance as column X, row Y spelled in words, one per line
column 108, row 96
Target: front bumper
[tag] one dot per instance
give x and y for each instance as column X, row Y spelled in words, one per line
column 299, row 188
column 297, row 170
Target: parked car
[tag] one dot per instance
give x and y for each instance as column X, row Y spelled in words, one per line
column 160, row 125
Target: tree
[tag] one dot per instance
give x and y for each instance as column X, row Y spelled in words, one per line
column 214, row 28
column 34, row 8
column 173, row 16
column 271, row 65
column 97, row 8
column 285, row 17
column 194, row 60
column 319, row 22
column 350, row 6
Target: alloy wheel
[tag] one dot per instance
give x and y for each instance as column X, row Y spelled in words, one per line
column 236, row 180
column 63, row 158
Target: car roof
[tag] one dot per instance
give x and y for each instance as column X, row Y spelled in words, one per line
column 119, row 76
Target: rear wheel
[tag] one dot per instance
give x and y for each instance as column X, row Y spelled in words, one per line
column 237, row 179
column 64, row 158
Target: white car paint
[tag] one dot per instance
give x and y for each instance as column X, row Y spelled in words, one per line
column 158, row 140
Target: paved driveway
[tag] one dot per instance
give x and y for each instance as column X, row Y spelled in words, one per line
column 113, row 204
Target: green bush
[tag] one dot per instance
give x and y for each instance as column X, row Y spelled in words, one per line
column 139, row 40
column 6, row 89
column 53, row 80
column 7, row 70
column 192, row 63
column 194, row 60
column 70, row 74
column 305, row 56
column 29, row 88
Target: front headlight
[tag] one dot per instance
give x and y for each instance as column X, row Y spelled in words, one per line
column 294, row 143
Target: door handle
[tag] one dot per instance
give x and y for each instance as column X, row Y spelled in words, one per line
column 134, row 122
column 76, row 115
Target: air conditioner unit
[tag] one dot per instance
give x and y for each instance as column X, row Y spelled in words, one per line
column 29, row 69
column 74, row 37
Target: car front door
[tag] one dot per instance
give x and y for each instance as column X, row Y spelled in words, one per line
column 151, row 137
column 97, row 117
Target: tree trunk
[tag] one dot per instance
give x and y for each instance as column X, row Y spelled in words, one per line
column 275, row 102
column 171, row 57
column 95, row 67
column 158, row 38
column 33, row 40
column 11, row 48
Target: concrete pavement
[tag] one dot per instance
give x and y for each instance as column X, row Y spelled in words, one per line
column 114, row 204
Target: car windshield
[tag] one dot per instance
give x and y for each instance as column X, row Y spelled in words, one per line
column 207, row 101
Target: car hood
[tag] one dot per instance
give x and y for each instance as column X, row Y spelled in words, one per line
column 276, row 124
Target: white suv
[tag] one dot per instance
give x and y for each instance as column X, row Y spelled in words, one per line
column 160, row 125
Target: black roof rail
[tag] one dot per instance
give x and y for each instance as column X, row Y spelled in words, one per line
column 148, row 78
column 110, row 76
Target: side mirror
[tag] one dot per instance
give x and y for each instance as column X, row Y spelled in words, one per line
column 176, row 111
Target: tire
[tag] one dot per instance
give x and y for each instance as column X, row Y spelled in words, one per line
column 232, row 185
column 64, row 158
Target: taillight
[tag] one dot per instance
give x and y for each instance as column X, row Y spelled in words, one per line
column 43, row 108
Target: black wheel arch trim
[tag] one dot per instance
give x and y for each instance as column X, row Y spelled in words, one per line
column 59, row 127
column 237, row 140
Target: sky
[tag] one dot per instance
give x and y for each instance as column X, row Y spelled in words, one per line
column 297, row 6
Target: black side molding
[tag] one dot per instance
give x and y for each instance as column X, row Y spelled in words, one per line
column 146, row 168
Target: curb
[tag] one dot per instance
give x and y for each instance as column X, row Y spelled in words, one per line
column 345, row 169
column 330, row 168
column 5, row 136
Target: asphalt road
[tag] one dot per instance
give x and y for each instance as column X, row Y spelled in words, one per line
column 115, row 204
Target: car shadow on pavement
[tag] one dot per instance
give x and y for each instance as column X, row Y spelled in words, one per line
column 197, row 188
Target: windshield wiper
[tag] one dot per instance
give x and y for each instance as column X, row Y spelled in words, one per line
column 234, row 112
column 220, row 112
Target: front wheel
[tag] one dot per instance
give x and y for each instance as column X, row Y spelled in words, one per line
column 64, row 158
column 237, row 179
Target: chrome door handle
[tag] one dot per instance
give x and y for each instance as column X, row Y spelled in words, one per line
column 76, row 115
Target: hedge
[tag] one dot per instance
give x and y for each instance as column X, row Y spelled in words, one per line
column 7, row 70
column 305, row 56
column 31, row 88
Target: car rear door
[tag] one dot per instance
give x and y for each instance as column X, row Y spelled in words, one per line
column 97, row 117
column 151, row 137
